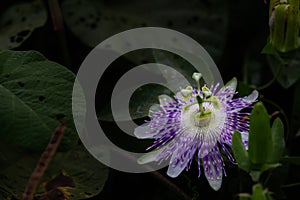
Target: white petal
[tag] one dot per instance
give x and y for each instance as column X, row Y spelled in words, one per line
column 230, row 84
column 153, row 109
column 143, row 131
column 174, row 171
column 215, row 183
column 164, row 99
column 206, row 147
column 151, row 156
column 211, row 164
column 252, row 97
column 245, row 136
column 178, row 95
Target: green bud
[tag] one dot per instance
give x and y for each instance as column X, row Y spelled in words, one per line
column 284, row 24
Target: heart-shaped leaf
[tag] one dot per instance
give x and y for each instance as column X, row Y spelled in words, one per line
column 35, row 98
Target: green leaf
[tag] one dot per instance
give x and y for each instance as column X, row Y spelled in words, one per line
column 75, row 172
column 205, row 22
column 278, row 143
column 260, row 138
column 291, row 159
column 285, row 68
column 266, row 167
column 258, row 192
column 8, row 155
column 35, row 98
column 18, row 22
column 239, row 151
column 269, row 49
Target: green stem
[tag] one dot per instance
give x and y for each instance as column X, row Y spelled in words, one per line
column 270, row 82
column 282, row 112
column 291, row 185
column 200, row 101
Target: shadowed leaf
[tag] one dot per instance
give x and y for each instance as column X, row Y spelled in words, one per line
column 36, row 96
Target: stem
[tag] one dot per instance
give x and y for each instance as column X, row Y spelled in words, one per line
column 56, row 15
column 43, row 163
column 58, row 26
column 265, row 183
column 291, row 185
column 283, row 114
column 171, row 185
column 271, row 81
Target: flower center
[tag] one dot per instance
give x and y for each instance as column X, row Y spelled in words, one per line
column 202, row 120
column 202, row 113
column 193, row 117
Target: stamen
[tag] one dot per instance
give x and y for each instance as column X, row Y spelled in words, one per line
column 206, row 91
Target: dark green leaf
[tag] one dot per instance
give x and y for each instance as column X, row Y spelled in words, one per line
column 19, row 20
column 269, row 49
column 76, row 171
column 239, row 151
column 9, row 155
column 286, row 69
column 260, row 138
column 205, row 22
column 292, row 159
column 36, row 97
column 278, row 143
column 266, row 167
